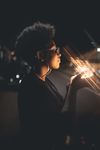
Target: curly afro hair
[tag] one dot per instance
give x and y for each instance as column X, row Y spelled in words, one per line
column 33, row 38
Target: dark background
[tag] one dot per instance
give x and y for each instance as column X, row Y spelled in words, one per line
column 70, row 18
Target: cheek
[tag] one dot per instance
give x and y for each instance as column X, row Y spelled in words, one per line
column 54, row 63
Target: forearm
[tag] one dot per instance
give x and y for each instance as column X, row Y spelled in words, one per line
column 70, row 99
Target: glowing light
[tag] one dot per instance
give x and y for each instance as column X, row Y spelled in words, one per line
column 11, row 79
column 17, row 76
column 84, row 68
column 20, row 81
column 98, row 49
column 86, row 72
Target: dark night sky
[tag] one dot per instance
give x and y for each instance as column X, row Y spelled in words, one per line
column 69, row 18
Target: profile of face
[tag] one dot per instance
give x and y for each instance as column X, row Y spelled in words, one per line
column 54, row 62
column 53, row 59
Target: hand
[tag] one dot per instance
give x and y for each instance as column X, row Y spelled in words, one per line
column 77, row 82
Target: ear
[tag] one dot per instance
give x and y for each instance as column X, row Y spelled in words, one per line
column 40, row 56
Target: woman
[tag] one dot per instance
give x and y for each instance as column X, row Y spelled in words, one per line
column 40, row 106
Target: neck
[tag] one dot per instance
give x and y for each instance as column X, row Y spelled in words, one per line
column 43, row 73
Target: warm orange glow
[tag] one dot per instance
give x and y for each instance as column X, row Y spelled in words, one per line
column 84, row 68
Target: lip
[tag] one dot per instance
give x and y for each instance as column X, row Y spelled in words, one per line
column 59, row 60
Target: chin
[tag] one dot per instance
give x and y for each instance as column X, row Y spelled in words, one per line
column 57, row 67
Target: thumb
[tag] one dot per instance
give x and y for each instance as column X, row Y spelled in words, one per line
column 75, row 78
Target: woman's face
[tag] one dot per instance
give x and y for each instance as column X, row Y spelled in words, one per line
column 54, row 62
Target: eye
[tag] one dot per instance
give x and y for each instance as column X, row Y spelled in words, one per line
column 56, row 50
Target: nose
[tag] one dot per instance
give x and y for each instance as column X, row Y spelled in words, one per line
column 58, row 52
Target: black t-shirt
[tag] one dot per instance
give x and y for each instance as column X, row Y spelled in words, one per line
column 40, row 110
column 39, row 95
